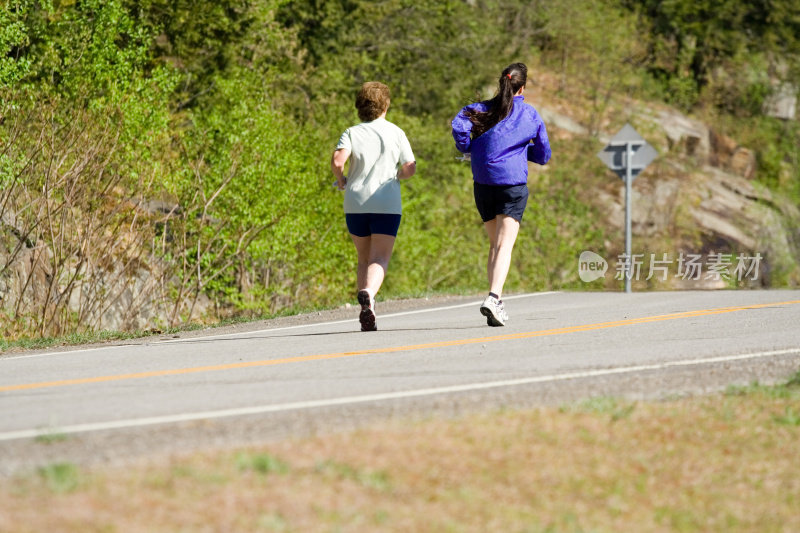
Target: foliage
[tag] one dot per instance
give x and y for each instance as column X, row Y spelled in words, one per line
column 13, row 36
column 435, row 55
column 258, row 175
column 76, row 242
column 692, row 43
column 577, row 41
column 86, row 50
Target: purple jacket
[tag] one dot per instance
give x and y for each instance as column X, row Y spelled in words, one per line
column 500, row 156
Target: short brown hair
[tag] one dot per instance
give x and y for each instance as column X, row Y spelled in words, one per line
column 372, row 100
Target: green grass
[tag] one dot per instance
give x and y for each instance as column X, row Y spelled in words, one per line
column 261, row 463
column 60, row 477
column 615, row 408
column 788, row 390
column 51, row 438
column 372, row 479
column 791, row 417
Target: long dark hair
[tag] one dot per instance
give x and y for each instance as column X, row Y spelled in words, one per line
column 513, row 77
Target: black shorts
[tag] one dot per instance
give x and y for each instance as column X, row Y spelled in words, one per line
column 493, row 200
column 365, row 224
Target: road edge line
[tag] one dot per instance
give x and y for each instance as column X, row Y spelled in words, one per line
column 291, row 406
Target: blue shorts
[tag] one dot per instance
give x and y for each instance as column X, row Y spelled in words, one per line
column 493, row 200
column 365, row 224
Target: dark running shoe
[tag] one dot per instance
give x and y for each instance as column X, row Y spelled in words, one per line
column 367, row 316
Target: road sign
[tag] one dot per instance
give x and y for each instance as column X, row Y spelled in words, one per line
column 615, row 155
column 627, row 154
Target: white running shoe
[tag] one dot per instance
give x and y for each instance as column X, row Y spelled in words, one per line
column 494, row 311
column 503, row 313
column 367, row 316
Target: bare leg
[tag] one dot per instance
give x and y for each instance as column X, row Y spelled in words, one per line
column 362, row 245
column 491, row 231
column 380, row 253
column 374, row 253
column 502, row 231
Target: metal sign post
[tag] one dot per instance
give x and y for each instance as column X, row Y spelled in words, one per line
column 627, row 154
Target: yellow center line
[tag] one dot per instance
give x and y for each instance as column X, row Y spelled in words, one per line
column 393, row 349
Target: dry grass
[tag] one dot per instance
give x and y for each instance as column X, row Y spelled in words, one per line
column 721, row 463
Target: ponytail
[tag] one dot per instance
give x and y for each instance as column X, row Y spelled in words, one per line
column 511, row 80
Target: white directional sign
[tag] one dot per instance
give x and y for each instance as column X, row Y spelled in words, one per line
column 627, row 154
column 615, row 155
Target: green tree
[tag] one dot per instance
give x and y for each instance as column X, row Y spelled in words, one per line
column 263, row 208
column 435, row 55
column 13, row 38
column 595, row 46
column 693, row 40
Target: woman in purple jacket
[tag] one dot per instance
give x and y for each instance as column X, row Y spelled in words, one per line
column 501, row 135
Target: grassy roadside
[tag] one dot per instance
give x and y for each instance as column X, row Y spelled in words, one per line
column 727, row 462
column 97, row 337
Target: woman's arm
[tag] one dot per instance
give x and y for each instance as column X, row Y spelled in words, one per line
column 407, row 170
column 462, row 129
column 338, row 160
column 539, row 152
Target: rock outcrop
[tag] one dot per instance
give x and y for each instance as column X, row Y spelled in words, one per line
column 700, row 197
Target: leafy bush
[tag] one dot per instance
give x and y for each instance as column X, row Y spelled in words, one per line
column 265, row 182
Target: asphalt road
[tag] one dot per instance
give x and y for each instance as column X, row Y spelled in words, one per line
column 209, row 389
